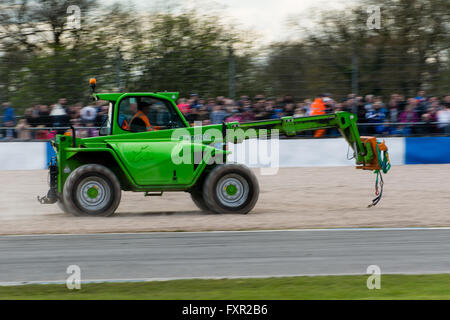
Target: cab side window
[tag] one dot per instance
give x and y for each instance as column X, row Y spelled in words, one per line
column 143, row 113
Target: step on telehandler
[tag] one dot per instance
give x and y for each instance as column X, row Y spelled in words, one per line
column 143, row 139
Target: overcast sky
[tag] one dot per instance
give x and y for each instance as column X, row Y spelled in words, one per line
column 268, row 18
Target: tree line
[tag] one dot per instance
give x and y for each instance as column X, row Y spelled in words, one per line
column 43, row 57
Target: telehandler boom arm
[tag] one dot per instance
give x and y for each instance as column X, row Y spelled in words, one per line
column 367, row 150
column 368, row 153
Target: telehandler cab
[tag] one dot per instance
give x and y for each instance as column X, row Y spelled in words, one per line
column 147, row 146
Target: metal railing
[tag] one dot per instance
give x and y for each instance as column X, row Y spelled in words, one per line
column 384, row 129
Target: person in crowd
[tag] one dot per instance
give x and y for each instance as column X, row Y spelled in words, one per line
column 81, row 133
column 443, row 119
column 211, row 105
column 8, row 120
column 299, row 111
column 289, row 109
column 88, row 114
column 421, row 96
column 191, row 116
column 102, row 116
column 352, row 103
column 194, row 101
column 409, row 115
column 92, row 131
column 32, row 116
column 278, row 111
column 44, row 116
column 446, row 101
column 59, row 117
column 259, row 108
column 429, row 118
column 318, row 107
column 329, row 104
column 22, row 130
column 23, row 126
column 63, row 103
column 8, row 113
column 75, row 110
column 248, row 114
column 368, row 101
column 377, row 115
column 393, row 107
column 218, row 115
column 307, row 106
column 202, row 114
column 269, row 109
column 183, row 106
column 235, row 115
column 421, row 103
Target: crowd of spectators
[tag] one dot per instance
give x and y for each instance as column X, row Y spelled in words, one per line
column 419, row 115
column 54, row 119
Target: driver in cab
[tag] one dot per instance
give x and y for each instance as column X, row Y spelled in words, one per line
column 139, row 122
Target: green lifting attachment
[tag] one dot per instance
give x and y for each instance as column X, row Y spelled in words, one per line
column 369, row 154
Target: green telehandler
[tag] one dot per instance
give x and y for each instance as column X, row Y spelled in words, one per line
column 146, row 145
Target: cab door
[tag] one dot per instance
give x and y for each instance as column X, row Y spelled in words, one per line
column 150, row 163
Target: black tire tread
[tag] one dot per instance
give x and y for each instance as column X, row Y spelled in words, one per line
column 214, row 176
column 62, row 206
column 72, row 180
column 197, row 198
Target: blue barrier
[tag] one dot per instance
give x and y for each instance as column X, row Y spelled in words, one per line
column 427, row 150
column 50, row 152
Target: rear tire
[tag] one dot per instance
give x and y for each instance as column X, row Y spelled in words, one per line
column 92, row 190
column 231, row 188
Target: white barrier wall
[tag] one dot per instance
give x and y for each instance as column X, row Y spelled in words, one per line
column 305, row 153
column 23, row 155
column 264, row 153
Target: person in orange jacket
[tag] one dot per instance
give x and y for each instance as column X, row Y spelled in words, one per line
column 140, row 121
column 317, row 108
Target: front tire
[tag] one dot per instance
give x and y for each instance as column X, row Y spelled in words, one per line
column 231, row 188
column 92, row 190
column 197, row 198
column 62, row 206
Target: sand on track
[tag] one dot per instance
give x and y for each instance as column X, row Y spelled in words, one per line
column 415, row 195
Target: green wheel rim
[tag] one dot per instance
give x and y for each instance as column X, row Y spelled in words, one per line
column 92, row 193
column 231, row 189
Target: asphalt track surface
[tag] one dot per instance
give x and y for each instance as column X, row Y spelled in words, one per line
column 172, row 255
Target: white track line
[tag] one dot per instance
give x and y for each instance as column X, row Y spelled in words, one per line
column 22, row 283
column 232, row 231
